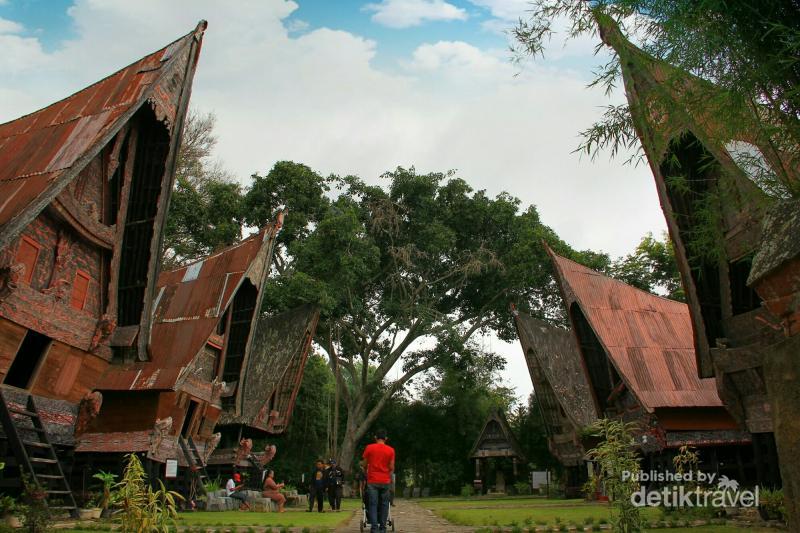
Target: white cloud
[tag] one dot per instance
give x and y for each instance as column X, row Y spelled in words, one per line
column 454, row 56
column 317, row 98
column 407, row 13
column 19, row 54
column 508, row 10
column 506, row 14
column 297, row 25
column 9, row 26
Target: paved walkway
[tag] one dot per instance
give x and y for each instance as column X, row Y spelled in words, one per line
column 410, row 518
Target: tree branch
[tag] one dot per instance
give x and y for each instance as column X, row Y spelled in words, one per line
column 333, row 361
column 387, row 364
column 390, row 391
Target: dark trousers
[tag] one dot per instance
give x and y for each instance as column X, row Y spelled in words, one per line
column 335, row 497
column 378, row 506
column 318, row 494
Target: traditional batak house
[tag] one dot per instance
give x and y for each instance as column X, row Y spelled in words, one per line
column 562, row 394
column 204, row 316
column 638, row 355
column 84, row 190
column 735, row 243
column 267, row 385
column 496, row 442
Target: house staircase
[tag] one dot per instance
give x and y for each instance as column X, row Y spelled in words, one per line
column 33, row 450
column 197, row 467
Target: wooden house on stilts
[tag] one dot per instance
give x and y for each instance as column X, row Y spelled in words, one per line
column 728, row 186
column 101, row 354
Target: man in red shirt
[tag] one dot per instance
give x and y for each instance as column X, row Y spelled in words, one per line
column 379, row 458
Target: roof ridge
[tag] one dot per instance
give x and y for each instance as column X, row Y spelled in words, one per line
column 224, row 249
column 556, row 257
column 129, row 65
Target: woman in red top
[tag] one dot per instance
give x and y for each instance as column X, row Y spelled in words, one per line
column 379, row 458
column 272, row 491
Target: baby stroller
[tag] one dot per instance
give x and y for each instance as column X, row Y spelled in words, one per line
column 364, row 524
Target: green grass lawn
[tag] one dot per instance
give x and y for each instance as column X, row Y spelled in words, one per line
column 713, row 529
column 489, row 503
column 519, row 511
column 539, row 511
column 293, row 517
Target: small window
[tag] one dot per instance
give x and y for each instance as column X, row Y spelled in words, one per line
column 222, row 324
column 80, row 288
column 186, row 429
column 27, row 361
column 28, row 254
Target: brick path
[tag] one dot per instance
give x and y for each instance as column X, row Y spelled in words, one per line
column 410, row 518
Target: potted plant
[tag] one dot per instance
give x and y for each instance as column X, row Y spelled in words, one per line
column 108, row 482
column 90, row 508
column 7, row 507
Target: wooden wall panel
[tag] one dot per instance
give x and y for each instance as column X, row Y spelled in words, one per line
column 11, row 336
column 126, row 411
column 68, row 373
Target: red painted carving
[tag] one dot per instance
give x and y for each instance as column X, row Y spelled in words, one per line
column 105, row 327
column 10, row 277
column 244, row 450
column 88, row 410
column 211, row 445
column 59, row 289
column 160, row 430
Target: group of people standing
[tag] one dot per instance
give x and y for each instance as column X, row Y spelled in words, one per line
column 324, row 480
column 375, row 482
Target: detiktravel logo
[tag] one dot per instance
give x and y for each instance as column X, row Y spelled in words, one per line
column 690, row 489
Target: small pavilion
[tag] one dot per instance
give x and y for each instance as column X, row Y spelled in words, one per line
column 496, row 441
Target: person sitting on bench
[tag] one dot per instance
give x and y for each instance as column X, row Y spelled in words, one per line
column 234, row 488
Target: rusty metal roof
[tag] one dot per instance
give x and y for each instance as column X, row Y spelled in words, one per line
column 648, row 338
column 41, row 152
column 189, row 303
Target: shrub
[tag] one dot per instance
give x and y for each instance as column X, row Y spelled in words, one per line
column 35, row 514
column 616, row 454
column 145, row 509
column 107, row 478
column 771, row 504
column 467, row 491
column 522, row 487
column 212, row 485
column 7, row 505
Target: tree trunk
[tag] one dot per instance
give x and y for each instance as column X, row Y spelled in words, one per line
column 782, row 375
column 353, row 432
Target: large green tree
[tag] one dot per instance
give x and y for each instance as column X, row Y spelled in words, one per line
column 433, row 431
column 406, row 274
column 651, row 267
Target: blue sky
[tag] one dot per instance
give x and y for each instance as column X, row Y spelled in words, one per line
column 49, row 20
column 361, row 87
column 45, row 19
